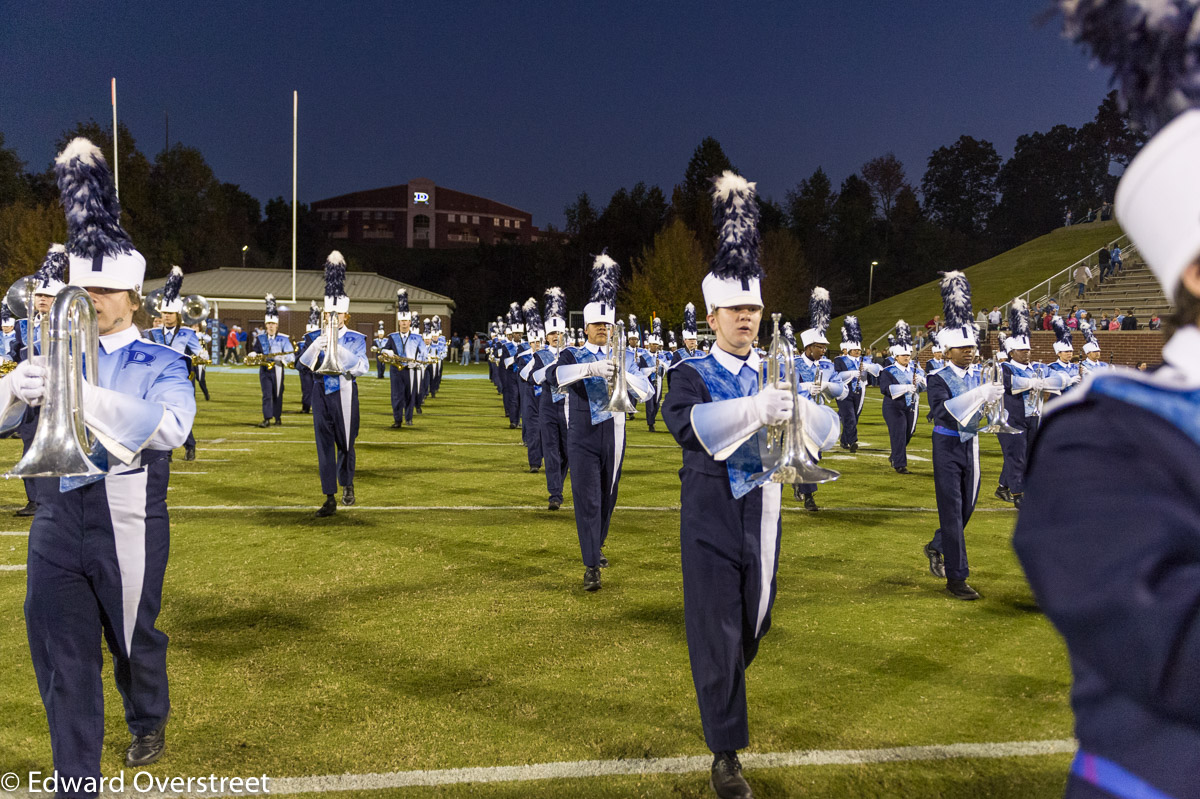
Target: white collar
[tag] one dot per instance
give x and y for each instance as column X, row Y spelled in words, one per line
column 595, row 349
column 957, row 371
column 115, row 341
column 810, row 361
column 1182, row 356
column 732, row 363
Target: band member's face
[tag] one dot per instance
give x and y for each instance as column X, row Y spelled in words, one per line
column 404, row 325
column 1093, row 356
column 736, row 327
column 597, row 333
column 8, row 327
column 634, row 343
column 689, row 344
column 1065, row 357
column 516, row 337
column 653, row 347
column 554, row 339
column 42, row 302
column 114, row 309
column 536, row 344
column 903, row 360
column 170, row 319
column 856, row 353
column 816, row 351
column 960, row 356
column 339, row 318
column 272, row 328
column 1021, row 356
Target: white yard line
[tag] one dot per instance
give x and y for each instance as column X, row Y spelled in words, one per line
column 15, row 532
column 591, row 769
column 12, row 568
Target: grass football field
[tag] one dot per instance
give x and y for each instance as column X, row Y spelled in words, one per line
column 441, row 623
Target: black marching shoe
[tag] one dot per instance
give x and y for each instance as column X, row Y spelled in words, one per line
column 726, row 779
column 903, row 470
column 329, row 508
column 937, row 565
column 29, row 509
column 960, row 590
column 1017, row 500
column 418, row 410
column 397, row 425
column 189, row 453
column 348, row 495
column 603, row 561
column 265, row 423
column 278, row 422
column 534, row 469
column 146, row 749
column 555, row 504
column 854, row 447
column 512, row 426
column 306, row 409
column 591, row 579
column 1003, row 494
column 810, row 504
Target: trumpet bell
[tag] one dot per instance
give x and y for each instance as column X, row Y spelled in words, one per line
column 153, row 302
column 803, row 474
column 20, row 296
column 195, row 309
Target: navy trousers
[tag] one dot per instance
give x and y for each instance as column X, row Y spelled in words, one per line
column 272, row 398
column 306, row 387
column 201, row 372
column 848, row 412
column 1016, row 448
column 96, row 561
column 26, row 430
column 956, row 486
column 652, row 404
column 404, row 395
column 595, row 455
column 730, row 554
column 378, row 369
column 335, row 450
column 531, row 434
column 512, row 399
column 552, row 424
column 426, row 386
column 899, row 420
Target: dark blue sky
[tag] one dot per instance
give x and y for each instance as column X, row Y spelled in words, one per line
column 530, row 103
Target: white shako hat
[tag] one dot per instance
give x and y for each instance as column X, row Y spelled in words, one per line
column 516, row 322
column 734, row 277
column 633, row 331
column 820, row 308
column 1091, row 343
column 851, row 334
column 1151, row 47
column 380, row 329
column 655, row 332
column 936, row 349
column 336, row 300
column 903, row 344
column 52, row 274
column 403, row 314
column 689, row 322
column 956, row 306
column 1018, row 326
column 556, row 310
column 1063, row 335
column 272, row 310
column 6, row 317
column 314, row 318
column 533, row 320
column 100, row 252
column 1001, row 355
column 602, row 304
column 172, row 296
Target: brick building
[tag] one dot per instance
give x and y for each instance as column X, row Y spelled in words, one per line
column 422, row 214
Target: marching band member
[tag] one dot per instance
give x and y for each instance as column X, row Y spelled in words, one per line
column 335, row 397
column 9, row 334
column 595, row 436
column 850, row 407
column 98, row 544
column 552, row 416
column 1115, row 570
column 956, row 400
column 379, row 342
column 936, row 362
column 508, row 352
column 900, row 384
column 689, row 349
column 425, row 370
column 812, row 362
column 442, row 352
column 672, row 344
column 406, row 343
column 1023, row 387
column 1064, row 348
column 1091, row 351
column 277, row 349
column 311, row 330
column 658, row 361
column 200, row 368
column 633, row 338
column 530, row 392
column 730, row 511
column 177, row 337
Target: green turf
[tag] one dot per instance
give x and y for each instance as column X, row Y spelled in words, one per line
column 993, row 282
column 384, row 640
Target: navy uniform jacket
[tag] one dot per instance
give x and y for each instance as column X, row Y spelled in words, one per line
column 1118, row 570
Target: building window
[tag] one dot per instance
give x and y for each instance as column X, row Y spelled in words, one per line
column 452, row 217
column 391, row 215
column 517, row 223
column 474, row 220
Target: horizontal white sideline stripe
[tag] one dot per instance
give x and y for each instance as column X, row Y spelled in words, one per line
column 642, row 508
column 421, row 444
column 584, row 769
column 12, row 568
column 15, row 532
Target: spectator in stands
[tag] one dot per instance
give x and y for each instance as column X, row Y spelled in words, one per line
column 1105, row 262
column 1068, row 220
column 1103, row 323
column 231, row 345
column 934, row 325
column 455, row 348
column 1082, row 275
column 1115, row 260
column 994, row 318
column 466, row 350
column 1072, row 321
column 1155, row 323
column 1130, row 322
column 1117, row 318
column 981, row 319
column 241, row 344
column 1143, row 366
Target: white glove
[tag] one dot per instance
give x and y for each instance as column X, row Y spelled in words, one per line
column 1073, row 379
column 28, row 382
column 810, row 388
column 992, row 392
column 773, row 405
column 319, row 342
column 603, row 369
column 849, row 375
column 910, row 389
column 919, row 385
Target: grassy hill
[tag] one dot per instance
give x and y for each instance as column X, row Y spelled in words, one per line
column 993, row 282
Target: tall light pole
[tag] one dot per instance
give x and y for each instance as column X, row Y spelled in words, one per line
column 871, row 282
column 244, row 248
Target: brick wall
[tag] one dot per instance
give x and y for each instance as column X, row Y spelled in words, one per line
column 1121, row 348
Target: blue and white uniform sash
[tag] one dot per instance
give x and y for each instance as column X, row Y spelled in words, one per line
column 745, row 465
column 958, row 387
column 850, row 363
column 1180, row 407
column 597, row 387
column 904, row 377
column 1029, row 398
column 546, row 357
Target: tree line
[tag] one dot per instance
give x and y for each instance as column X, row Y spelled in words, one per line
column 968, row 205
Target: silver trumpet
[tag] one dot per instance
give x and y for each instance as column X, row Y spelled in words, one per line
column 818, row 385
column 62, row 445
column 20, row 303
column 786, row 453
column 997, row 417
column 618, row 384
column 332, row 363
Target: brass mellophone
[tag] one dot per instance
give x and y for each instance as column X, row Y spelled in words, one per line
column 266, row 359
column 201, row 359
column 393, row 358
column 7, row 366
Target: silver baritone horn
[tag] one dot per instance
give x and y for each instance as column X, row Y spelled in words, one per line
column 618, row 384
column 786, row 454
column 62, row 445
column 331, row 364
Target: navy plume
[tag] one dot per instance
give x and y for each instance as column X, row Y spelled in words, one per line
column 89, row 198
column 314, row 313
column 820, row 309
column 1018, row 318
column 671, row 337
column 735, row 213
column 1152, row 46
column 891, row 340
column 606, row 275
column 689, row 319
column 956, row 300
column 5, row 314
column 903, row 334
column 426, row 327
column 401, row 300
column 556, row 303
column 656, row 328
column 1089, row 333
column 272, row 307
column 54, row 265
column 1062, row 333
column 533, row 320
column 514, row 314
column 789, row 334
column 850, row 325
column 173, row 285
column 335, row 275
column 633, row 328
